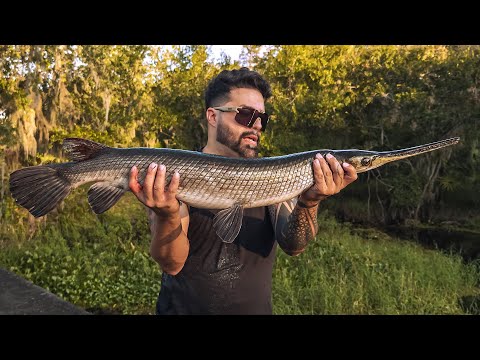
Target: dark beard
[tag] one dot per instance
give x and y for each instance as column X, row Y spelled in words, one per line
column 225, row 137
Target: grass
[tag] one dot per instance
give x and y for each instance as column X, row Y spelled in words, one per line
column 101, row 263
column 344, row 273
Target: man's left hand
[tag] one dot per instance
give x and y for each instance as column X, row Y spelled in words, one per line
column 330, row 178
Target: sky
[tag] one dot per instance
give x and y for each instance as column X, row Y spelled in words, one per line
column 231, row 50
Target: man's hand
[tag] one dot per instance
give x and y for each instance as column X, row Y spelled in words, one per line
column 153, row 193
column 330, row 178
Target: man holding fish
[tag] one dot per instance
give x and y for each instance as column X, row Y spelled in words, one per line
column 204, row 273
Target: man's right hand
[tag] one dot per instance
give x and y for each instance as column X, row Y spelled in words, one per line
column 153, row 193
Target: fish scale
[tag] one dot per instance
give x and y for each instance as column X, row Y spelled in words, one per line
column 206, row 181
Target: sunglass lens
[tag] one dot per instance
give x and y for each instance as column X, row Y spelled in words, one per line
column 247, row 117
column 244, row 116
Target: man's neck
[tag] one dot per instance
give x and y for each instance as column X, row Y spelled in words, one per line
column 219, row 149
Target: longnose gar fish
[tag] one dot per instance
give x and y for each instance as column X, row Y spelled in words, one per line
column 206, row 181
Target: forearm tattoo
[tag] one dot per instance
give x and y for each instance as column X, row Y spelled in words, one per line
column 295, row 226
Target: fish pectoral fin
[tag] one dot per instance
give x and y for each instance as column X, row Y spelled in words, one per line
column 78, row 149
column 227, row 223
column 103, row 195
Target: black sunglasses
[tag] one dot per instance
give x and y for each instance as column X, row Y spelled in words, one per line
column 246, row 116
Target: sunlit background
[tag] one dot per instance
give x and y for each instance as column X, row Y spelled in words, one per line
column 231, row 50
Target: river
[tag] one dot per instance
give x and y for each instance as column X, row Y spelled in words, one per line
column 465, row 243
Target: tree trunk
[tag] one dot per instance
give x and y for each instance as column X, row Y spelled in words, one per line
column 368, row 200
column 2, row 191
column 1, row 187
column 433, row 171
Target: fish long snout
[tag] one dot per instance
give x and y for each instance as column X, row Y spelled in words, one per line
column 368, row 160
column 417, row 150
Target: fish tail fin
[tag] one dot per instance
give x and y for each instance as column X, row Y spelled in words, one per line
column 39, row 189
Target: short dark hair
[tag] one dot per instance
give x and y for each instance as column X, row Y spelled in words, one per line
column 218, row 89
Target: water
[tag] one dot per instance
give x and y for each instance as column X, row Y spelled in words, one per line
column 465, row 243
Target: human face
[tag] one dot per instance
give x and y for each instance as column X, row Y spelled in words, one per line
column 242, row 140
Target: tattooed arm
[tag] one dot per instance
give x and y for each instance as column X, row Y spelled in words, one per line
column 295, row 225
column 295, row 221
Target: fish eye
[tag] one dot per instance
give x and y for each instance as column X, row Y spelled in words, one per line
column 366, row 161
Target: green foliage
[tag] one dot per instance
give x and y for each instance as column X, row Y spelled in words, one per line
column 406, row 190
column 102, row 264
column 179, row 92
column 94, row 276
column 99, row 263
column 345, row 273
column 380, row 98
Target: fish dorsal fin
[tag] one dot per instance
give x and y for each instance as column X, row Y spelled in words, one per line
column 103, row 195
column 81, row 149
column 227, row 223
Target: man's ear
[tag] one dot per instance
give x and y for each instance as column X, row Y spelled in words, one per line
column 211, row 117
